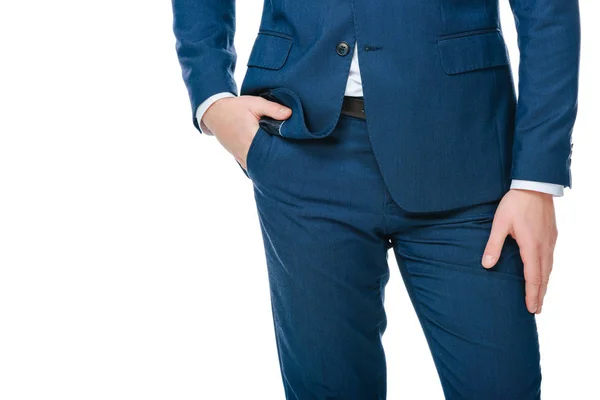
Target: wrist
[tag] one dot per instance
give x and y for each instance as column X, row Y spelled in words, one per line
column 211, row 113
column 533, row 194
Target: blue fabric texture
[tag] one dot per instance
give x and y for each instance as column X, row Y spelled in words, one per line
column 422, row 176
column 328, row 220
column 443, row 116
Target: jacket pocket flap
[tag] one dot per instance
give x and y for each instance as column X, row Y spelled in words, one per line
column 471, row 51
column 270, row 51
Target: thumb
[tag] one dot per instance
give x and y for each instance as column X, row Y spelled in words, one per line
column 493, row 249
column 270, row 108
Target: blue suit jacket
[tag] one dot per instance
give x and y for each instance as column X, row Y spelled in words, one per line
column 442, row 113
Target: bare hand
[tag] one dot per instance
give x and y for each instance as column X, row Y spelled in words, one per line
column 234, row 121
column 527, row 216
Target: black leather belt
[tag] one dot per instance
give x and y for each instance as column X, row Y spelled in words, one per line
column 354, row 106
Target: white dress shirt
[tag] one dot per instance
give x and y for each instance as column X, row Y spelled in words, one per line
column 354, row 88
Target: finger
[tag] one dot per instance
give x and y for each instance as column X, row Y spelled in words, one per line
column 269, row 108
column 493, row 249
column 533, row 278
column 546, row 267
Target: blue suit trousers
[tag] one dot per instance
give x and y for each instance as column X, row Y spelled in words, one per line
column 328, row 222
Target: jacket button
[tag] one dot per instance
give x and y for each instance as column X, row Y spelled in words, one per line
column 342, row 48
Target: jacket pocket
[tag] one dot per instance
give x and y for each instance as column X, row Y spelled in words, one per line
column 473, row 50
column 270, row 50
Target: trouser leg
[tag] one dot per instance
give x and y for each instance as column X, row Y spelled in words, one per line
column 320, row 209
column 482, row 338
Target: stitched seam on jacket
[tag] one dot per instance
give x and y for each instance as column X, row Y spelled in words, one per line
column 457, row 35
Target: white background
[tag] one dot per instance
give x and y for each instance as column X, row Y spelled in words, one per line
column 131, row 261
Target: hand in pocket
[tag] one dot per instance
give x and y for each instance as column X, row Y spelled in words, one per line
column 234, row 121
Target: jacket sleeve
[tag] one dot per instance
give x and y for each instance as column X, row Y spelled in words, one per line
column 548, row 34
column 204, row 32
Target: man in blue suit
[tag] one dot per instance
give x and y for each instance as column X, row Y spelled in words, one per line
column 423, row 148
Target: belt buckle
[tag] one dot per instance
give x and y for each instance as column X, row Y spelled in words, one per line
column 354, row 106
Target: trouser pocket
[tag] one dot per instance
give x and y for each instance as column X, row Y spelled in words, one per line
column 257, row 152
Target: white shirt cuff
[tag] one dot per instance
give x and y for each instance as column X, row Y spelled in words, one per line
column 550, row 188
column 204, row 106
